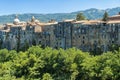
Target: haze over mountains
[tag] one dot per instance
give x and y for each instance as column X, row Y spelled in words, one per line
column 89, row 13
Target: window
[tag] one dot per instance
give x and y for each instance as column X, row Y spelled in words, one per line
column 113, row 24
column 112, row 42
column 82, row 30
column 39, row 42
column 24, row 33
column 75, row 31
column 60, row 43
column 95, row 42
column 79, row 31
column 83, row 37
column 60, row 32
column 113, row 28
column 83, row 42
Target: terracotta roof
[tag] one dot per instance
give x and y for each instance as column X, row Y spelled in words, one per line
column 68, row 20
column 46, row 24
column 15, row 25
column 95, row 21
column 113, row 21
column 82, row 21
column 92, row 22
column 9, row 24
column 18, row 25
column 89, row 22
column 115, row 16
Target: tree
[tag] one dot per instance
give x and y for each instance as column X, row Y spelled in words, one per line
column 105, row 16
column 114, row 47
column 4, row 55
column 96, row 51
column 37, row 63
column 80, row 16
column 47, row 76
column 74, row 74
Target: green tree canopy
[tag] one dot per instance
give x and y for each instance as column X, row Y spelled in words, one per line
column 37, row 63
column 80, row 16
column 105, row 16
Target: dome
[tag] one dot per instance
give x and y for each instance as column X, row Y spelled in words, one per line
column 16, row 20
column 34, row 20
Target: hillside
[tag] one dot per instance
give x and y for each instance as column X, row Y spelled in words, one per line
column 89, row 13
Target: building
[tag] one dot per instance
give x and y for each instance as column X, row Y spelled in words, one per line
column 87, row 35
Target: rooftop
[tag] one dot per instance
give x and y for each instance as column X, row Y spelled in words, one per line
column 113, row 22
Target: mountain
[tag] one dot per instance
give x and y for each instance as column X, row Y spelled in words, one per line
column 89, row 13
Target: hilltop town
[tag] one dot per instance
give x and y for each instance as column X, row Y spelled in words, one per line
column 87, row 35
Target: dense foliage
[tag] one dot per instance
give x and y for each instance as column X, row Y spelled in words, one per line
column 51, row 64
column 80, row 16
column 105, row 16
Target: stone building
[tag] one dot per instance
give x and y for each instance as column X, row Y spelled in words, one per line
column 63, row 34
column 87, row 35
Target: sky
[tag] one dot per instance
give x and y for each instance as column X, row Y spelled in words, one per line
column 53, row 6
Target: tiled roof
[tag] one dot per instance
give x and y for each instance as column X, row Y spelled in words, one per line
column 45, row 24
column 68, row 20
column 92, row 22
column 16, row 25
column 114, row 16
column 88, row 22
column 113, row 21
column 82, row 21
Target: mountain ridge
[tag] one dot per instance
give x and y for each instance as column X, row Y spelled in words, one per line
column 91, row 13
